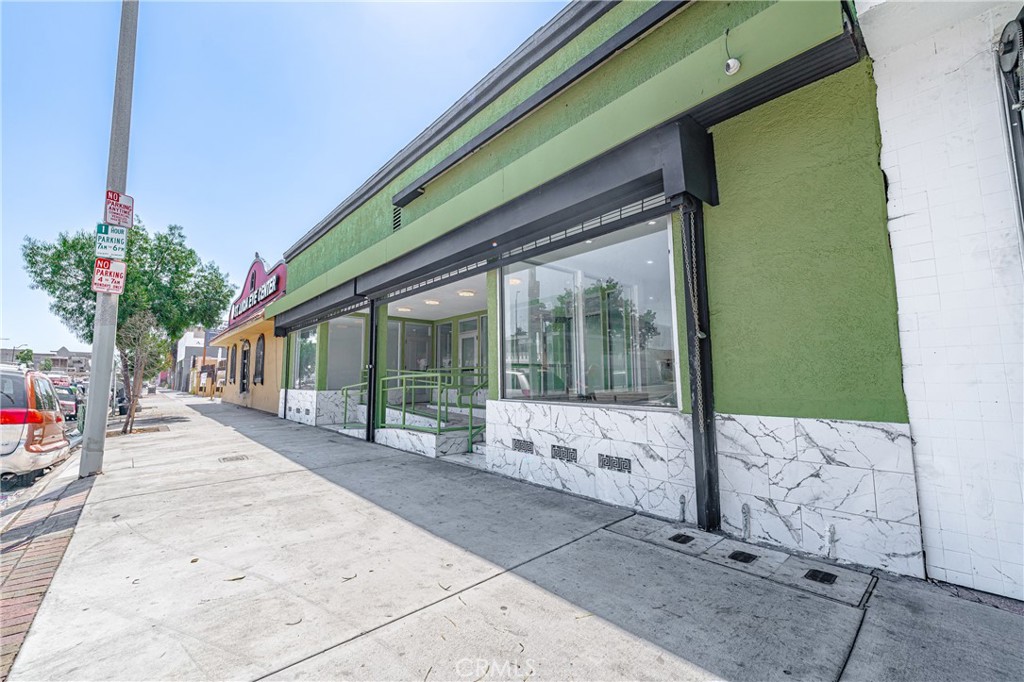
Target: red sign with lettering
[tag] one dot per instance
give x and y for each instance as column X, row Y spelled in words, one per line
column 108, row 276
column 260, row 288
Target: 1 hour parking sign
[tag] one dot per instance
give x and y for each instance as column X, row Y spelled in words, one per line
column 111, row 241
column 108, row 276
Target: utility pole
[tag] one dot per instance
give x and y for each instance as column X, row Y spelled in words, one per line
column 105, row 325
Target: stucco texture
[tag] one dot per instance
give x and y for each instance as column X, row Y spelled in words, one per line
column 263, row 396
column 800, row 274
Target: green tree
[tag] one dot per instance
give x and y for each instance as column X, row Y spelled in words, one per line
column 24, row 356
column 165, row 277
column 46, row 365
column 144, row 353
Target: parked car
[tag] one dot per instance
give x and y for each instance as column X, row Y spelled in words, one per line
column 69, row 402
column 32, row 423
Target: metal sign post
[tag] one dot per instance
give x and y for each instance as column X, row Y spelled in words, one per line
column 105, row 324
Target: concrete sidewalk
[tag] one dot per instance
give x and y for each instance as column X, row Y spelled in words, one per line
column 235, row 545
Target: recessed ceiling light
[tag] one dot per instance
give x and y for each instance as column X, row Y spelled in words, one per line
column 403, row 309
column 652, row 222
column 650, row 262
column 589, row 241
column 514, row 281
column 430, row 301
column 466, row 293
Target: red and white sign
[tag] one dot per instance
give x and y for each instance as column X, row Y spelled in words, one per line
column 260, row 288
column 108, row 276
column 120, row 209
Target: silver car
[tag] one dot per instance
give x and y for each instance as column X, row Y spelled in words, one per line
column 32, row 424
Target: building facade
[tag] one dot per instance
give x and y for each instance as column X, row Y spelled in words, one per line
column 253, row 354
column 950, row 145
column 646, row 261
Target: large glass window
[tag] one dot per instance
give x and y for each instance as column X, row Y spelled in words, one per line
column 444, row 345
column 344, row 351
column 304, row 358
column 418, row 350
column 244, row 386
column 593, row 321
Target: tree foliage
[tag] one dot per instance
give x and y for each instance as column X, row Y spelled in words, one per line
column 168, row 289
column 46, row 365
column 165, row 277
column 24, row 356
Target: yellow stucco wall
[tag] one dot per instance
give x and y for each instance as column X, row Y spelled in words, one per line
column 263, row 396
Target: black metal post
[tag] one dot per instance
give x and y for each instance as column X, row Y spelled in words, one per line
column 698, row 345
column 371, row 374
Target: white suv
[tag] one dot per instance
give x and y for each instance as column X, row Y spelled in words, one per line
column 31, row 424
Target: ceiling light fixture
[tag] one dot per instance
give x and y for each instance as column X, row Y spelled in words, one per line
column 466, row 293
column 430, row 301
column 515, row 281
column 652, row 222
column 589, row 241
column 404, row 309
column 650, row 262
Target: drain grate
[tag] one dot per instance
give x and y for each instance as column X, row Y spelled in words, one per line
column 823, row 577
column 233, row 458
column 681, row 538
column 743, row 557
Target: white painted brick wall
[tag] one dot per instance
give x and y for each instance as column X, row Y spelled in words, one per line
column 957, row 254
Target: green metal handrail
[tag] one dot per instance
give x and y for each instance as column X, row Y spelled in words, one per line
column 438, row 383
column 345, row 390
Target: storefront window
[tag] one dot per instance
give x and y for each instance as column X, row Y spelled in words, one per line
column 257, row 370
column 232, row 363
column 444, row 345
column 344, row 352
column 244, row 386
column 593, row 321
column 304, row 358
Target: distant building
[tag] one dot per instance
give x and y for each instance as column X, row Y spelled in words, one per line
column 75, row 364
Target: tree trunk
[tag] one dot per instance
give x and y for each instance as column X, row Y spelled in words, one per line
column 139, row 367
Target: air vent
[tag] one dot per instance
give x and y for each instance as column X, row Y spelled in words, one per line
column 564, row 454
column 823, row 577
column 743, row 557
column 520, row 445
column 396, row 217
column 681, row 538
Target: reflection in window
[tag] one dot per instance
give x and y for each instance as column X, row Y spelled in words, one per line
column 304, row 358
column 444, row 345
column 245, row 367
column 344, row 351
column 257, row 370
column 593, row 321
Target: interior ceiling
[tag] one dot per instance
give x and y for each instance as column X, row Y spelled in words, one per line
column 450, row 303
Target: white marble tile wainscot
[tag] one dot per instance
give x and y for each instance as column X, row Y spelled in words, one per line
column 641, row 459
column 300, row 406
column 841, row 489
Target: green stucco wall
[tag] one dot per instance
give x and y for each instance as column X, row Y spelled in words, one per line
column 800, row 276
column 447, row 202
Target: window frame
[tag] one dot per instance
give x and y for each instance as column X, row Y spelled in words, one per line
column 678, row 351
column 258, row 360
column 244, row 378
column 232, row 365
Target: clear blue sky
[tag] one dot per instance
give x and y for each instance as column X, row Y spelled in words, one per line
column 251, row 121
